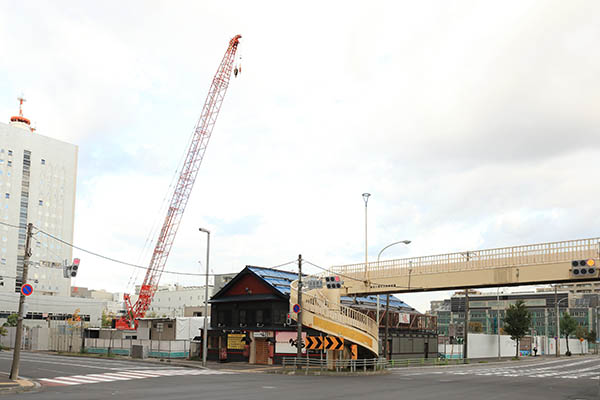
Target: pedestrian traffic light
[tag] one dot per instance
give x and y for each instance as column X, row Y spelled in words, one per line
column 333, row 282
column 584, row 268
column 74, row 267
column 66, row 270
column 314, row 283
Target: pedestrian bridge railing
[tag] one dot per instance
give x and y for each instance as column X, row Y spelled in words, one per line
column 531, row 254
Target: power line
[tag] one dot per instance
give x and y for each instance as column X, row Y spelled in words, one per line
column 136, row 265
column 11, row 225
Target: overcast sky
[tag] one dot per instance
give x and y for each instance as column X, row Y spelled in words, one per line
column 472, row 124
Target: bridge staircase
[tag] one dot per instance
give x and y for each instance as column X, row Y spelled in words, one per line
column 322, row 311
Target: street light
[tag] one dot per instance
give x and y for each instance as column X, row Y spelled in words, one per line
column 366, row 199
column 387, row 299
column 205, row 333
column 558, row 322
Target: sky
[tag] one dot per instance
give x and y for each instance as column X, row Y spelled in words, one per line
column 472, row 124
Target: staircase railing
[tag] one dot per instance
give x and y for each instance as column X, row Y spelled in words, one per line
column 335, row 311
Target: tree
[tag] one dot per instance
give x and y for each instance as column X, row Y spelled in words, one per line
column 107, row 319
column 12, row 320
column 517, row 322
column 568, row 326
column 591, row 338
column 581, row 333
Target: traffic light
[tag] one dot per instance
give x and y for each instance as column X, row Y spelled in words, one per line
column 584, row 268
column 74, row 267
column 333, row 282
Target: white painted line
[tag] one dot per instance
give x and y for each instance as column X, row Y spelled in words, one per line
column 59, row 381
column 73, row 379
column 95, row 378
column 125, row 375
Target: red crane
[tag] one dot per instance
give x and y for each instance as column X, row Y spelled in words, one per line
column 181, row 194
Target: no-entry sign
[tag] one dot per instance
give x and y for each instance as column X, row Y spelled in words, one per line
column 26, row 289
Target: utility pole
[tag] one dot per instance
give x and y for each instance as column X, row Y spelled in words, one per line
column 465, row 346
column 557, row 321
column 498, row 322
column 387, row 326
column 14, row 370
column 205, row 331
column 299, row 320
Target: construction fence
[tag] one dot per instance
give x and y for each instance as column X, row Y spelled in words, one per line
column 152, row 348
column 66, row 338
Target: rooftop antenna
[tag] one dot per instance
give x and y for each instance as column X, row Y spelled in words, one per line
column 21, row 101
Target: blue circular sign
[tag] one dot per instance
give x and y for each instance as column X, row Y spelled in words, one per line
column 296, row 308
column 26, row 289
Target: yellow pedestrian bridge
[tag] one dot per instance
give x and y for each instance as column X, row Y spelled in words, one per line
column 542, row 263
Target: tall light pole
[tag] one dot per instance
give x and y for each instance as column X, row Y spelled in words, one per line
column 387, row 300
column 558, row 319
column 366, row 199
column 205, row 333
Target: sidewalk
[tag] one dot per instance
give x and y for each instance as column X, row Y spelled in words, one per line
column 10, row 386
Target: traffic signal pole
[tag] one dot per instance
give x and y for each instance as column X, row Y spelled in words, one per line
column 14, row 370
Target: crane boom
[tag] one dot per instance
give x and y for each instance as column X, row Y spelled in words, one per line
column 183, row 189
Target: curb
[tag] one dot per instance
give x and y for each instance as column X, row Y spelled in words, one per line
column 21, row 385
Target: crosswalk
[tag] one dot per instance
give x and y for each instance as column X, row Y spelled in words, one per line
column 560, row 369
column 126, row 375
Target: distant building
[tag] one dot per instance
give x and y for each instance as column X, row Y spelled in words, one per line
column 486, row 308
column 172, row 301
column 37, row 185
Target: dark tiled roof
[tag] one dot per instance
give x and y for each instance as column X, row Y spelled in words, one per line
column 281, row 280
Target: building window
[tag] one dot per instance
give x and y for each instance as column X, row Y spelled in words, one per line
column 43, row 162
column 9, row 163
column 3, row 261
column 41, row 202
column 7, row 195
column 10, row 152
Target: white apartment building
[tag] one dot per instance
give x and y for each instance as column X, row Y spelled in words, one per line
column 172, row 300
column 37, row 185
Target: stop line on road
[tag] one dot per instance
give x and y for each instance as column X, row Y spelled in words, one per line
column 126, row 375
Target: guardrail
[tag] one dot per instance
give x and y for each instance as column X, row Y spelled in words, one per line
column 416, row 362
column 369, row 364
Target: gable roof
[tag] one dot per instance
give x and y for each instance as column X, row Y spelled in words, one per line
column 280, row 281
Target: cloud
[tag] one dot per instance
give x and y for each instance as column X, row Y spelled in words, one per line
column 473, row 125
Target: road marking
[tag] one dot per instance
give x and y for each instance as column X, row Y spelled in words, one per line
column 127, row 375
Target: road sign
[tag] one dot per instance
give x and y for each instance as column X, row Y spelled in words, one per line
column 354, row 351
column 333, row 343
column 296, row 308
column 26, row 289
column 314, row 342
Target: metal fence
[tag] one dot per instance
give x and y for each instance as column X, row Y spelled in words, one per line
column 362, row 365
column 370, row 364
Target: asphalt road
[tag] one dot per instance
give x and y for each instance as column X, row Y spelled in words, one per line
column 82, row 378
